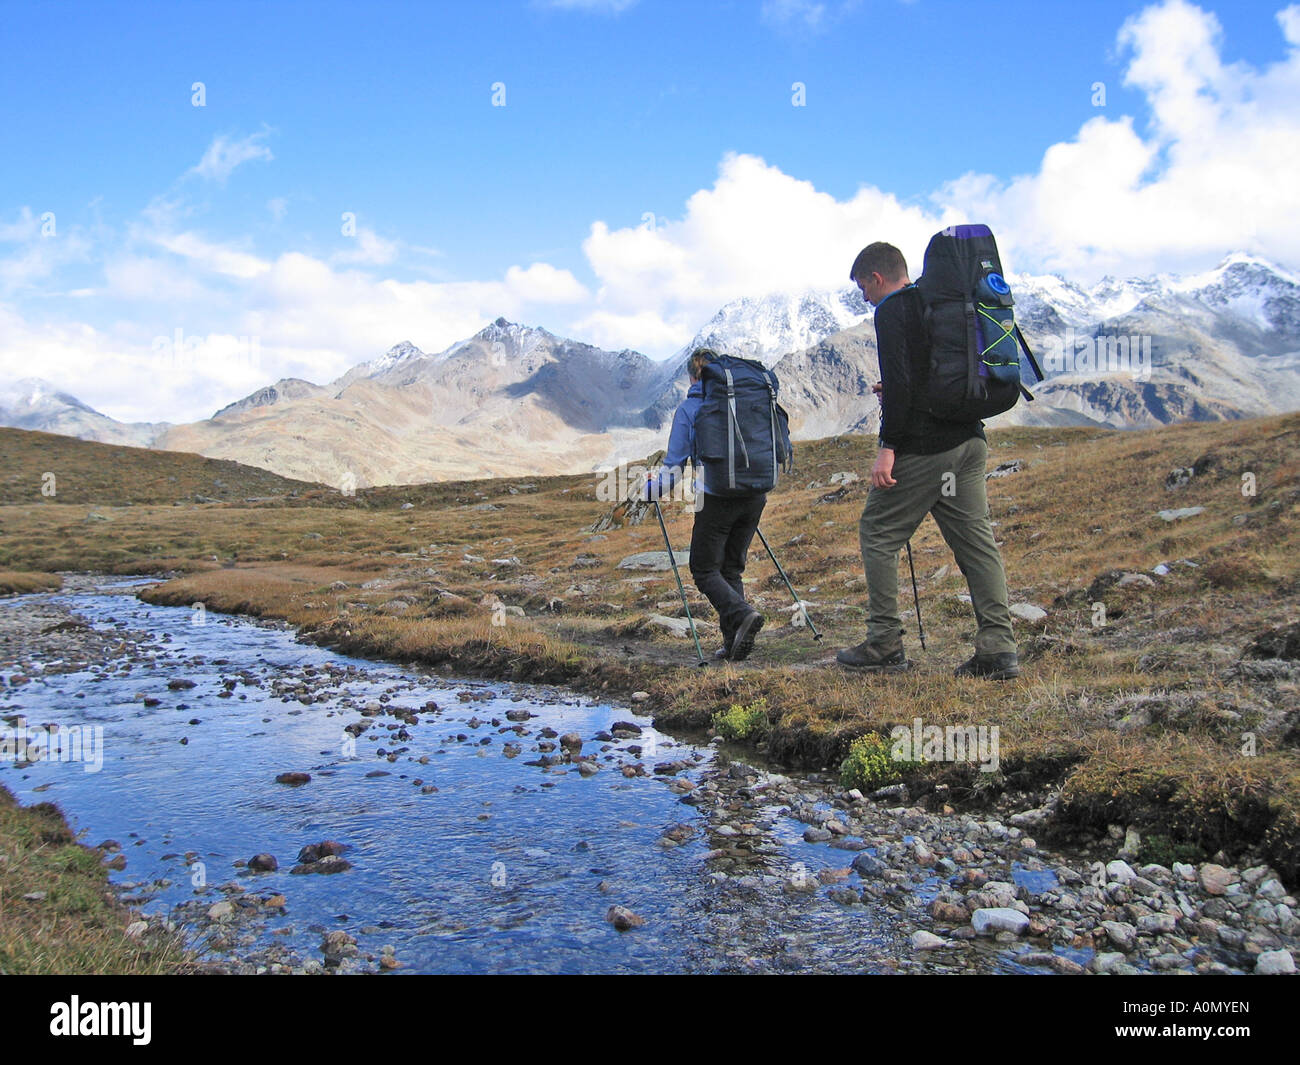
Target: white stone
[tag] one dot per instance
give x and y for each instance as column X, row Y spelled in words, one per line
column 1274, row 962
column 654, row 560
column 928, row 941
column 1120, row 871
column 677, row 626
column 999, row 919
column 1028, row 612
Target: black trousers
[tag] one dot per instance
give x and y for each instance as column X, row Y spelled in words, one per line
column 724, row 527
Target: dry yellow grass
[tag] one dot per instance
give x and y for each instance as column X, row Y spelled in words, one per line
column 420, row 584
column 12, row 583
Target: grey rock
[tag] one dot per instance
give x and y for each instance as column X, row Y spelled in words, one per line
column 1157, row 923
column 1028, row 612
column 866, row 865
column 1120, row 872
column 1274, row 962
column 654, row 560
column 1122, row 934
column 995, row 919
column 1180, row 513
column 922, row 940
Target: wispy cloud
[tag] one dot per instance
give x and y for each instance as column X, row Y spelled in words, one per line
column 224, row 155
column 1199, row 172
column 812, row 16
column 594, row 7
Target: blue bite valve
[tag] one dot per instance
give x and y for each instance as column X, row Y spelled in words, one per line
column 993, row 289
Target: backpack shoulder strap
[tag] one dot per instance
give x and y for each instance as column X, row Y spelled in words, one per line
column 733, row 427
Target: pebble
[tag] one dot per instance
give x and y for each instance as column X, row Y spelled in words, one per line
column 623, row 919
column 1215, row 879
column 995, row 919
column 922, row 940
column 1122, row 934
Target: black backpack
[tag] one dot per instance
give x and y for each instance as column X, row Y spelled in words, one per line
column 975, row 343
column 742, row 434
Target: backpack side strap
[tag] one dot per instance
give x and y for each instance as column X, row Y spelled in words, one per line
column 1038, row 370
column 972, row 354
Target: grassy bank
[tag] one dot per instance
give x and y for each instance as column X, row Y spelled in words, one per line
column 12, row 583
column 1151, row 701
column 57, row 911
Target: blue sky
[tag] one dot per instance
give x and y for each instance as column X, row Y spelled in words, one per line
column 649, row 163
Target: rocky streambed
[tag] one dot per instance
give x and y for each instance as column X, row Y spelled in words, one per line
column 295, row 810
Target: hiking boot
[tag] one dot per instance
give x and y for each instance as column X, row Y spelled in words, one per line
column 724, row 652
column 745, row 633
column 1003, row 666
column 875, row 657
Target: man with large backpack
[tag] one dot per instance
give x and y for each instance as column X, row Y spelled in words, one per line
column 944, row 364
column 736, row 435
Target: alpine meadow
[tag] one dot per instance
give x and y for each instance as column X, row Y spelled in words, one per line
column 572, row 487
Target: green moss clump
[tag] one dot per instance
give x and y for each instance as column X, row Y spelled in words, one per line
column 1159, row 849
column 871, row 764
column 743, row 721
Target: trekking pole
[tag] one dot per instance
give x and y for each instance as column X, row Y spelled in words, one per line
column 915, row 597
column 673, row 559
column 798, row 602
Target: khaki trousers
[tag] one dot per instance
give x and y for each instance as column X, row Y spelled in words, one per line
column 949, row 485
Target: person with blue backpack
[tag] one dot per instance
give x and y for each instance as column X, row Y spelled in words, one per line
column 736, row 436
column 948, row 357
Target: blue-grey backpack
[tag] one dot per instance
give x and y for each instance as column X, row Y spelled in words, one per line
column 742, row 434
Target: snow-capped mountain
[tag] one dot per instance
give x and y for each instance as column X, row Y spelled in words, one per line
column 768, row 327
column 1142, row 352
column 393, row 357
column 514, row 399
column 511, row 399
column 765, row 328
column 33, row 403
column 1243, row 286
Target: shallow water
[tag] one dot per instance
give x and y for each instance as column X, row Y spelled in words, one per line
column 507, row 867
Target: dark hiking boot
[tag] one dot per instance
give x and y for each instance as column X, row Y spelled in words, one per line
column 745, row 633
column 1004, row 666
column 875, row 657
column 724, row 652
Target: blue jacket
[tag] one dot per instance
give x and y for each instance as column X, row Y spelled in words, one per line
column 681, row 442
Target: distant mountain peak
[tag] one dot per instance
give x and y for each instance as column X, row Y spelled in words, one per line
column 769, row 326
column 403, row 352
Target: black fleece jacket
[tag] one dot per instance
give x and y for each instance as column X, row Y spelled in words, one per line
column 905, row 424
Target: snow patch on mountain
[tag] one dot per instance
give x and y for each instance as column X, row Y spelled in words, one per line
column 767, row 327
